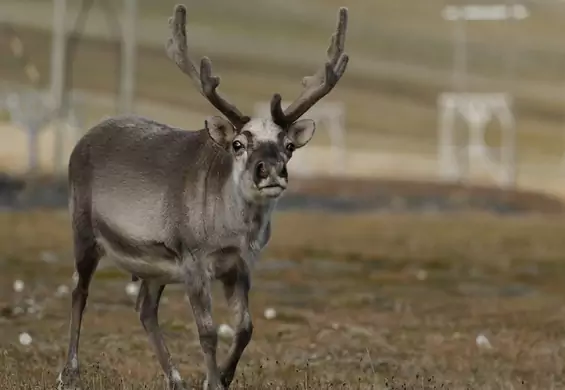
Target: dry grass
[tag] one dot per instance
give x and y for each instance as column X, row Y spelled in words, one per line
column 363, row 300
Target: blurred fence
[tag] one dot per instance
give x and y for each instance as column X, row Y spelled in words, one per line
column 404, row 56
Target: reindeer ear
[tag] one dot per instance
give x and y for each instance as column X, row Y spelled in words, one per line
column 301, row 132
column 220, row 130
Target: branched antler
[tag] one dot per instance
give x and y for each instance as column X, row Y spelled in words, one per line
column 321, row 83
column 203, row 79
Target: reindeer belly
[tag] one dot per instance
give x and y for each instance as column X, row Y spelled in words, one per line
column 146, row 259
column 148, row 267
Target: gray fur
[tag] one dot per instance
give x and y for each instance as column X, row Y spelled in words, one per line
column 174, row 206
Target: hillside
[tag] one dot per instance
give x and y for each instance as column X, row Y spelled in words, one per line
column 401, row 60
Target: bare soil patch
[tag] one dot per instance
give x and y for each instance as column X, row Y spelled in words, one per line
column 414, row 195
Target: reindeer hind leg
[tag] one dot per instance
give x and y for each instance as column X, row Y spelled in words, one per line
column 87, row 256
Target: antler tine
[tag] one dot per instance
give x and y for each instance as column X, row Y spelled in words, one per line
column 334, row 50
column 321, row 83
column 205, row 82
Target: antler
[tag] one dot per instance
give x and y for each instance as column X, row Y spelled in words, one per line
column 321, row 83
column 206, row 83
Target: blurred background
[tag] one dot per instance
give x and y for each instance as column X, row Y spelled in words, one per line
column 382, row 120
column 431, row 196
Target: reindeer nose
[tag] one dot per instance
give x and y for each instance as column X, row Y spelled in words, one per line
column 261, row 170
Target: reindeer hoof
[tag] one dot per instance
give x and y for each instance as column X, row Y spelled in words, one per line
column 176, row 386
column 174, row 381
column 226, row 378
column 68, row 381
column 218, row 387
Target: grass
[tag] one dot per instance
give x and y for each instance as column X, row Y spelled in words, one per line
column 362, row 300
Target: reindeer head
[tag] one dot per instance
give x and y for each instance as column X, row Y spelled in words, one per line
column 260, row 147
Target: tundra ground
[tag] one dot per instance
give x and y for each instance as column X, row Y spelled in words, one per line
column 361, row 300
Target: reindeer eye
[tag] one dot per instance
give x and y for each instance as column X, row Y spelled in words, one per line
column 290, row 147
column 237, row 146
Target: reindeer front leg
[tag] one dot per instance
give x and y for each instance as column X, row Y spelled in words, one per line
column 236, row 289
column 200, row 296
column 148, row 307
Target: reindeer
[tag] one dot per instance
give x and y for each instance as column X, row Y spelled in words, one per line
column 189, row 207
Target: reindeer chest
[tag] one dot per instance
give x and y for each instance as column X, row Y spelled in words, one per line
column 220, row 226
